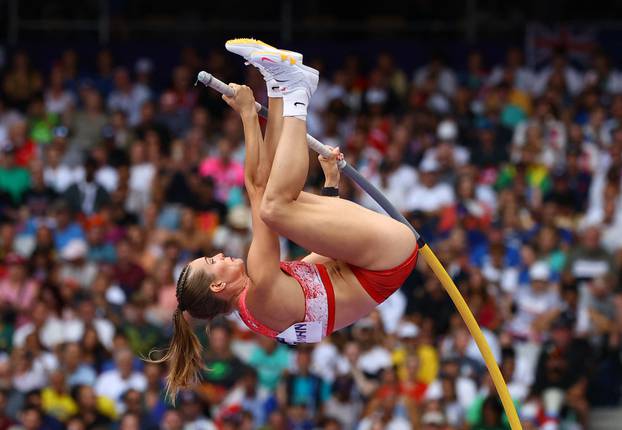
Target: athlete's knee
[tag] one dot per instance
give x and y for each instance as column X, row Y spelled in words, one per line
column 272, row 209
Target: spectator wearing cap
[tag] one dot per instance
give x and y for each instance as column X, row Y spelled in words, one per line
column 430, row 195
column 113, row 383
column 14, row 180
column 87, row 196
column 234, row 238
column 448, row 153
column 412, row 343
column 537, row 304
column 77, row 270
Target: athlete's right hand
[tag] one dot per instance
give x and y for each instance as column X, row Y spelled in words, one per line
column 330, row 168
column 243, row 101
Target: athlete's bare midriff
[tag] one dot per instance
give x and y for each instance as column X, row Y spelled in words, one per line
column 351, row 301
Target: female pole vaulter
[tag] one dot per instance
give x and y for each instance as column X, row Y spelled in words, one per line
column 359, row 257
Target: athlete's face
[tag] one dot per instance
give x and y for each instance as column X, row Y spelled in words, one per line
column 228, row 274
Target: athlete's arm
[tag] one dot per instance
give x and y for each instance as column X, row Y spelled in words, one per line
column 264, row 253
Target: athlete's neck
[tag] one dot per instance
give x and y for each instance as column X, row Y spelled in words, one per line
column 246, row 282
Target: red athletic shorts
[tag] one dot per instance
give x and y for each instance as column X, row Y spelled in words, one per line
column 380, row 284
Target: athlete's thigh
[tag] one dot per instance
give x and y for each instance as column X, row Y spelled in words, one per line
column 345, row 231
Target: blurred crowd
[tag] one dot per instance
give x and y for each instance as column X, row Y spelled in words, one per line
column 111, row 180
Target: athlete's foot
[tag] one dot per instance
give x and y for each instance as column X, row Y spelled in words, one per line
column 296, row 81
column 287, row 71
column 246, row 46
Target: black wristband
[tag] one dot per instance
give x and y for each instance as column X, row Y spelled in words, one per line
column 330, row 191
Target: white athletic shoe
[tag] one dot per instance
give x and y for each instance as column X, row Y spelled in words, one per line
column 288, row 72
column 246, row 46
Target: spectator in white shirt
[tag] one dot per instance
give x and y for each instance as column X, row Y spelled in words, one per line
column 549, row 134
column 560, row 69
column 430, row 196
column 436, row 69
column 192, row 412
column 393, row 178
column 127, row 97
column 114, row 383
column 57, row 99
column 521, row 76
column 75, row 327
column 56, row 174
column 537, row 305
column 602, row 76
column 142, row 173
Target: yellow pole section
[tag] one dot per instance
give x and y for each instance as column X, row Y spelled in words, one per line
column 476, row 332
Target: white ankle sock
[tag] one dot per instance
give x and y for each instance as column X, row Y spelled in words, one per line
column 274, row 91
column 295, row 103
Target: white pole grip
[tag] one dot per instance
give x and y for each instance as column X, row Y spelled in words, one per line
column 209, row 80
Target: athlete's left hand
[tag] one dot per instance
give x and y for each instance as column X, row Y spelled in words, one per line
column 329, row 166
column 243, row 101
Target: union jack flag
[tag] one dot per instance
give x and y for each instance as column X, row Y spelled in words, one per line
column 541, row 42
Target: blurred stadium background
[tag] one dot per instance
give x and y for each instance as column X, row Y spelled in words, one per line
column 494, row 126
